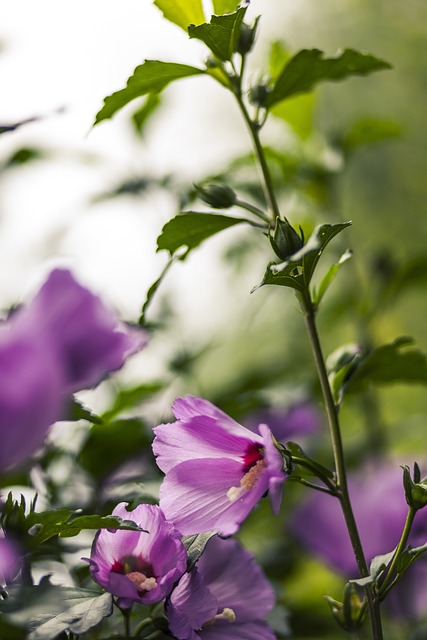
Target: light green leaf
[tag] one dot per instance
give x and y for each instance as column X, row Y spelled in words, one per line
column 221, row 35
column 190, row 229
column 225, row 6
column 309, row 67
column 144, row 113
column 195, row 545
column 150, row 77
column 182, row 12
column 329, row 277
column 128, row 398
column 398, row 361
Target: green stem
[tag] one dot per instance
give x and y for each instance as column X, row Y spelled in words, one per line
column 402, row 544
column 126, row 619
column 142, row 625
column 250, row 207
column 270, row 196
column 340, row 468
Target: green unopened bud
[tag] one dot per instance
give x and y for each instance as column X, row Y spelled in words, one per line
column 285, row 241
column 246, row 37
column 415, row 492
column 351, row 612
column 258, row 95
column 216, row 195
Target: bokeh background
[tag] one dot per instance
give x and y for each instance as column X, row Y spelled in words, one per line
column 96, row 200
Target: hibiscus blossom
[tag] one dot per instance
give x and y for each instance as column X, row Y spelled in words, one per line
column 138, row 566
column 224, row 597
column 216, row 470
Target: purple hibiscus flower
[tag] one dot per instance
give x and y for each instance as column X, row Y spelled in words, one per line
column 138, row 566
column 10, row 561
column 216, row 470
column 65, row 340
column 31, row 379
column 380, row 508
column 88, row 336
column 224, row 597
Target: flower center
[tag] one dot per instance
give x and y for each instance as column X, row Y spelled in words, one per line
column 247, row 482
column 253, row 454
column 226, row 614
column 137, row 571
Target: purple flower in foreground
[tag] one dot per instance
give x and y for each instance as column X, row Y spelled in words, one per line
column 138, row 566
column 64, row 341
column 10, row 561
column 224, row 597
column 88, row 336
column 380, row 508
column 216, row 470
column 30, row 393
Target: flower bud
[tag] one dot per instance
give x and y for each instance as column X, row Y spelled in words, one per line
column 285, row 241
column 217, row 195
column 415, row 492
column 246, row 38
column 258, row 94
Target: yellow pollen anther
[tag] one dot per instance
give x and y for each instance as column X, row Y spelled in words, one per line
column 247, row 482
column 226, row 614
column 141, row 581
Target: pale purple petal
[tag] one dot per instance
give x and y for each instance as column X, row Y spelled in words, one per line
column 190, row 406
column 195, row 496
column 236, row 580
column 191, row 605
column 274, row 468
column 30, row 393
column 10, row 561
column 88, row 336
column 198, row 437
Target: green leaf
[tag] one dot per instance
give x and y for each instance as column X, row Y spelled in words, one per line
column 182, row 12
column 369, row 131
column 309, row 67
column 341, row 364
column 225, row 6
column 377, row 567
column 65, row 523
column 321, row 237
column 150, row 77
column 111, row 444
column 192, row 228
column 329, row 277
column 48, row 610
column 153, row 290
column 77, row 411
column 144, row 113
column 195, row 545
column 128, row 398
column 398, row 361
column 289, row 276
column 221, row 35
column 298, row 113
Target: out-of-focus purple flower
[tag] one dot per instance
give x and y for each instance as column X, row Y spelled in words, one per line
column 138, row 566
column 64, row 341
column 225, row 597
column 31, row 383
column 88, row 336
column 296, row 421
column 216, row 470
column 10, row 561
column 380, row 509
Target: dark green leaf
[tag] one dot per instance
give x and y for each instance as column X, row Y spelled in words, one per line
column 289, row 276
column 309, row 67
column 398, row 361
column 48, row 610
column 66, row 523
column 221, row 35
column 144, row 113
column 77, row 411
column 322, row 235
column 182, row 12
column 111, row 444
column 190, row 229
column 150, row 77
column 128, row 398
column 195, row 545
